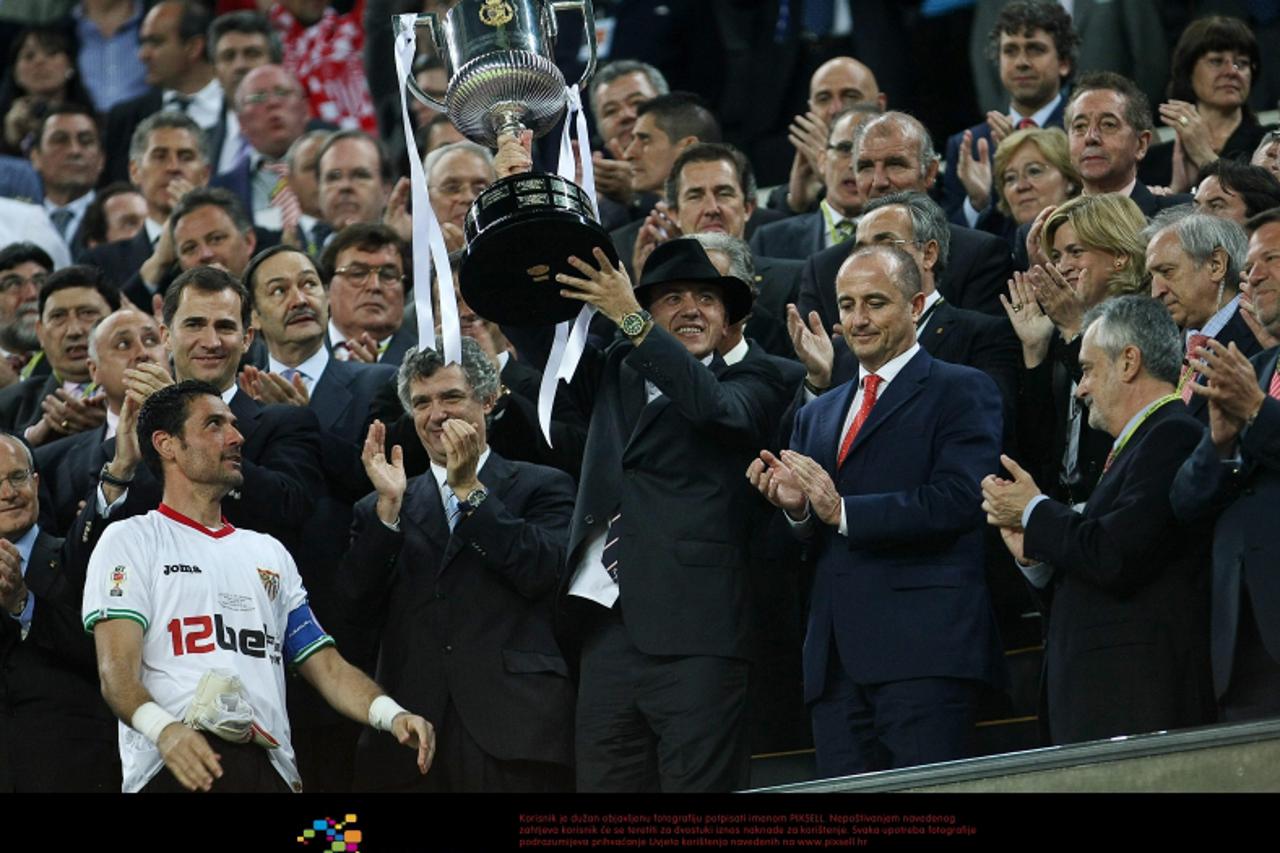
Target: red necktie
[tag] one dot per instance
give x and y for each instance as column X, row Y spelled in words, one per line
column 869, row 386
column 1274, row 389
column 1189, row 377
column 1027, row 122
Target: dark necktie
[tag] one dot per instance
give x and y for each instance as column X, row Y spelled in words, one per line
column 61, row 219
column 612, row 537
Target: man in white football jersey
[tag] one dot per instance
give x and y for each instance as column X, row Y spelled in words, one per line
column 194, row 618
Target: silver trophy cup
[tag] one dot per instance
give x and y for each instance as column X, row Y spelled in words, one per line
column 499, row 55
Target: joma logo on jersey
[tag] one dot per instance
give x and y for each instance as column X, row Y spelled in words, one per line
column 199, row 635
column 182, row 568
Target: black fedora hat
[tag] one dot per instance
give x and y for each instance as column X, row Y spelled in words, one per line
column 684, row 260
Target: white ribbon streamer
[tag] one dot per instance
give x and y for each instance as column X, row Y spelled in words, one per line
column 428, row 240
column 570, row 340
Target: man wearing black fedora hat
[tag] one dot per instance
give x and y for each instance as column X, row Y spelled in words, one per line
column 655, row 592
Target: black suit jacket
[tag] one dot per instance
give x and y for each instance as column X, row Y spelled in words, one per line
column 120, row 124
column 1128, row 636
column 796, row 237
column 67, row 468
column 404, row 338
column 20, row 402
column 976, row 273
column 1241, row 494
column 1044, row 408
column 466, row 617
column 675, row 469
column 57, row 733
column 120, row 261
column 282, row 476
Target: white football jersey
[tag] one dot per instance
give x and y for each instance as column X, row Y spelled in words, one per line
column 228, row 599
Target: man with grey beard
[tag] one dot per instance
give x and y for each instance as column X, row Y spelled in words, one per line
column 23, row 268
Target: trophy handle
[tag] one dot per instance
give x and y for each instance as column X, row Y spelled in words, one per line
column 589, row 29
column 441, row 46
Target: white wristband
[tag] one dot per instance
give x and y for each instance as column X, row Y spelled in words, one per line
column 382, row 711
column 150, row 719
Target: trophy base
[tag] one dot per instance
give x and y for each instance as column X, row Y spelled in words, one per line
column 520, row 233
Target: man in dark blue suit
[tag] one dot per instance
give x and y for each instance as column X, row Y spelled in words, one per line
column 290, row 307
column 1234, row 476
column 883, row 478
column 1034, row 46
column 456, row 571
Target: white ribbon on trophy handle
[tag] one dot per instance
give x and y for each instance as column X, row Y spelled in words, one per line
column 570, row 339
column 428, row 240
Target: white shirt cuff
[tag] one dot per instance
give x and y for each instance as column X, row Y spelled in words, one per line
column 105, row 509
column 971, row 213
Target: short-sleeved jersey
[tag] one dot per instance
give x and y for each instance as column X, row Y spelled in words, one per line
column 227, row 599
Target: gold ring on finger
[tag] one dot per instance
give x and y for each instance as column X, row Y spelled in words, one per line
column 1183, row 121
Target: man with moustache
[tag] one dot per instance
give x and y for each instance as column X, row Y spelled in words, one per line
column 290, row 307
column 23, row 270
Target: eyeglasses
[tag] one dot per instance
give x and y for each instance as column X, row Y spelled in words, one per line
column 9, row 282
column 17, row 479
column 843, row 150
column 1032, row 172
column 884, row 240
column 280, row 93
column 358, row 274
column 455, row 188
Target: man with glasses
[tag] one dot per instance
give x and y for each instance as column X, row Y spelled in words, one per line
column 456, row 174
column 354, row 179
column 272, row 112
column 838, row 85
column 798, row 237
column 48, row 680
column 23, row 269
column 364, row 265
